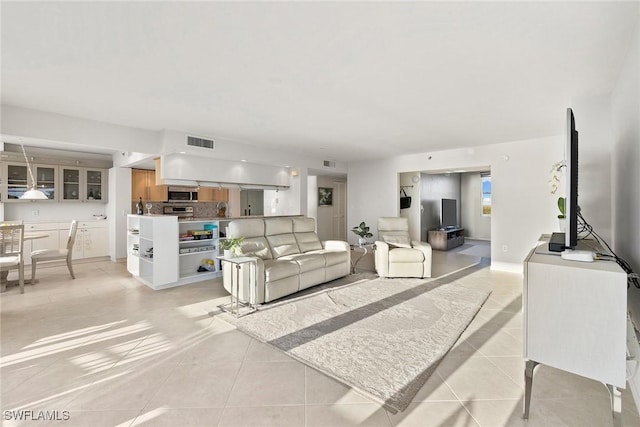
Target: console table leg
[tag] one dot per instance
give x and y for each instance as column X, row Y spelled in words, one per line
column 528, row 384
column 616, row 404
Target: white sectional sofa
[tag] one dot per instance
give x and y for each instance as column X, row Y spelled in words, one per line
column 289, row 257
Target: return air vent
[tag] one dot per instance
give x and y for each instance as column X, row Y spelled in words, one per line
column 194, row 141
column 329, row 164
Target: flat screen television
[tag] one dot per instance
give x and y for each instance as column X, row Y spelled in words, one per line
column 569, row 239
column 572, row 210
column 449, row 213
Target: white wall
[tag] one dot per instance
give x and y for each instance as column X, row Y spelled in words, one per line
column 436, row 187
column 117, row 209
column 523, row 208
column 476, row 225
column 625, row 116
column 40, row 211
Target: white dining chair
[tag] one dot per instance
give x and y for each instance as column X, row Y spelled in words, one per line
column 11, row 256
column 56, row 254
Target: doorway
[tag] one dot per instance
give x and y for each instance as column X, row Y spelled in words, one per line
column 251, row 202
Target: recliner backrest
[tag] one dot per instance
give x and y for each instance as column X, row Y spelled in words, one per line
column 254, row 242
column 279, row 234
column 394, row 231
column 304, row 229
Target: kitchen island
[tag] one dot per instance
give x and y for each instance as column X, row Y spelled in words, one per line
column 164, row 251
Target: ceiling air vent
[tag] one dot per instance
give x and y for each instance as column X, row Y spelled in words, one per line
column 329, row 164
column 194, row 141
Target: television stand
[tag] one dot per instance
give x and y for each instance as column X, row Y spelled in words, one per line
column 444, row 239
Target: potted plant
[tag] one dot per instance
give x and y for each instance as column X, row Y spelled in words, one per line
column 363, row 232
column 231, row 246
column 561, row 216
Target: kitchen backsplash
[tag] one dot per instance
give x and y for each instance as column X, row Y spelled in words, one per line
column 200, row 209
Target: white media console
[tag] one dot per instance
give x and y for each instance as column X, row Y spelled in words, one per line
column 575, row 319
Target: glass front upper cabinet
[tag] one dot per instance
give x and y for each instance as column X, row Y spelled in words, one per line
column 95, row 180
column 70, row 184
column 18, row 180
column 46, row 177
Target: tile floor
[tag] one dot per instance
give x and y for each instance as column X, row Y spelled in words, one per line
column 112, row 352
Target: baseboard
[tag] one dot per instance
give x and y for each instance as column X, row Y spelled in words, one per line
column 509, row 267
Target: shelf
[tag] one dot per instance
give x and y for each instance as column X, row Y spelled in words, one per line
column 196, row 241
column 199, row 253
column 199, row 275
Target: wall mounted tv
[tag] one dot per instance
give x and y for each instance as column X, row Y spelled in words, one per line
column 449, row 213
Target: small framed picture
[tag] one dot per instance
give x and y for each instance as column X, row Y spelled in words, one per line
column 325, row 196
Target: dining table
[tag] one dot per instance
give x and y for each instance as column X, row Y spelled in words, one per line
column 4, row 274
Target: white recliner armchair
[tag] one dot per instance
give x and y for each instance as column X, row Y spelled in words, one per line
column 396, row 255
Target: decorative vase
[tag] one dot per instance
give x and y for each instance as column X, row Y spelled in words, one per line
column 228, row 253
column 563, row 224
column 362, row 241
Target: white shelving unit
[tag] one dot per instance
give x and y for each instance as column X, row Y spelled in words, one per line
column 193, row 252
column 160, row 259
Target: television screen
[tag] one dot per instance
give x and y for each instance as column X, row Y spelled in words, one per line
column 571, row 204
column 449, row 213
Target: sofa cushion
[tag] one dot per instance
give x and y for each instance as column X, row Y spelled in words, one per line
column 256, row 246
column 275, row 226
column 283, row 244
column 308, row 241
column 246, row 228
column 277, row 269
column 332, row 257
column 305, row 231
column 406, row 255
column 307, row 262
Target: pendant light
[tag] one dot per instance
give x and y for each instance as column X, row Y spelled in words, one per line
column 33, row 193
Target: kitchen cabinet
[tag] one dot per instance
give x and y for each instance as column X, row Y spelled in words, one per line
column 143, row 184
column 49, row 242
column 18, row 181
column 91, row 239
column 83, row 184
column 213, row 194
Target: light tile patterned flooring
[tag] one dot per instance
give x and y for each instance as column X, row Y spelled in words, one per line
column 112, row 352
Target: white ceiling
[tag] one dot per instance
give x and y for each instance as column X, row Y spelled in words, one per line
column 343, row 81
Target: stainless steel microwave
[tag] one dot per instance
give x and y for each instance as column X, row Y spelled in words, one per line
column 183, row 194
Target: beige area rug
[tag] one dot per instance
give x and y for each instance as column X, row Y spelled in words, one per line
column 382, row 337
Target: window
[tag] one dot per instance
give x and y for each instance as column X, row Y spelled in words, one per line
column 485, row 184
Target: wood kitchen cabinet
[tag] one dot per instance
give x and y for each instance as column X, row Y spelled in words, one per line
column 143, row 184
column 213, row 194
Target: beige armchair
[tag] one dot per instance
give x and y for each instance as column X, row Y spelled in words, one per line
column 396, row 255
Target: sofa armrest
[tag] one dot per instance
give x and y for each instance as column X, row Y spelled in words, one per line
column 381, row 258
column 336, row 245
column 427, row 251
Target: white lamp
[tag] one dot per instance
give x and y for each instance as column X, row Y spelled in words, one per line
column 33, row 193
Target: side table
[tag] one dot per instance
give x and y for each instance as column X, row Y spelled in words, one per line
column 235, row 296
column 358, row 252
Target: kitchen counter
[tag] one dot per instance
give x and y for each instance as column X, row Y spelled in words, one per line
column 235, row 218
